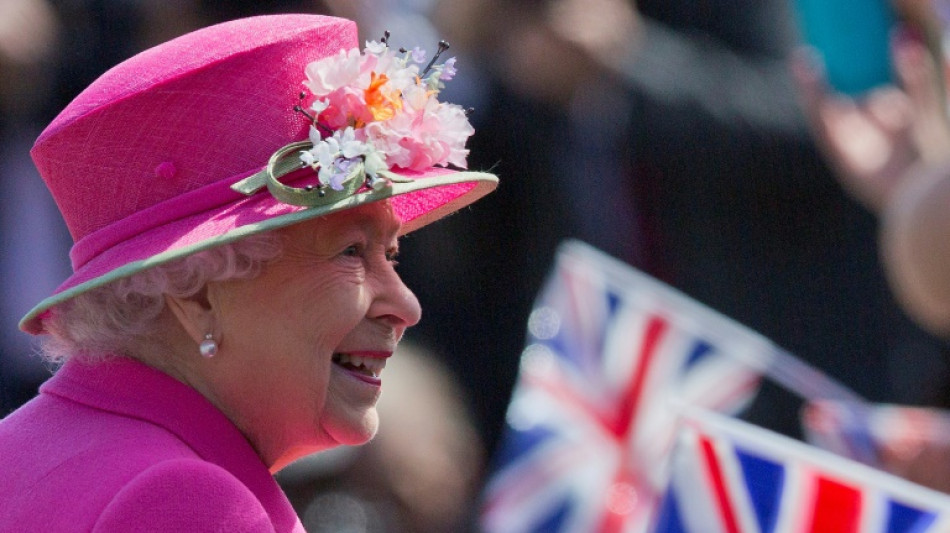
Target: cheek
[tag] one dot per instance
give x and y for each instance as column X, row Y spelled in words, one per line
column 334, row 307
column 291, row 322
column 308, row 302
column 309, row 331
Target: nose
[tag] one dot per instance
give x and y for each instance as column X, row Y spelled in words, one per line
column 396, row 303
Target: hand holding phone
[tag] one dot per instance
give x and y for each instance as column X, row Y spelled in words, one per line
column 852, row 38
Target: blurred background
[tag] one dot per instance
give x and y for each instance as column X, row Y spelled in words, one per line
column 667, row 133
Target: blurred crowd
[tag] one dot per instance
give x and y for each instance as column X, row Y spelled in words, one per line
column 670, row 134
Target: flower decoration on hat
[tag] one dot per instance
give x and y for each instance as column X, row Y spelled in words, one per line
column 370, row 112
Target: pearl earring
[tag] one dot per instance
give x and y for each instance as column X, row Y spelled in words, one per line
column 208, row 347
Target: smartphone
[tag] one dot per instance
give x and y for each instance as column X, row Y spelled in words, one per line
column 853, row 39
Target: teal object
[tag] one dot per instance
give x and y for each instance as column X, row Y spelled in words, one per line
column 853, row 38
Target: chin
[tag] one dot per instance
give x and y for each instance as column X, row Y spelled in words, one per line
column 354, row 433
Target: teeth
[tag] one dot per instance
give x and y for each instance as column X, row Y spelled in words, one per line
column 373, row 365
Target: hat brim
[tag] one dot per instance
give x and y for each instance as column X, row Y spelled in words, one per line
column 420, row 201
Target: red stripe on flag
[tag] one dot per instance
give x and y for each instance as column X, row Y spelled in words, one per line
column 837, row 507
column 727, row 513
column 655, row 328
column 565, row 394
column 612, row 521
column 627, row 498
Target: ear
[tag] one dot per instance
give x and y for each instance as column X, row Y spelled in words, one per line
column 195, row 314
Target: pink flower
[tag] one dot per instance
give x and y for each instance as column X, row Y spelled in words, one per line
column 420, row 138
column 346, row 107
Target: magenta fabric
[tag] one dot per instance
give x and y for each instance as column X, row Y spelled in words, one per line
column 206, row 106
column 119, row 446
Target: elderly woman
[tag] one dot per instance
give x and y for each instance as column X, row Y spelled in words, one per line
column 236, row 196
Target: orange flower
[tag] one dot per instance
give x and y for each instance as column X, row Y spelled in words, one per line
column 381, row 105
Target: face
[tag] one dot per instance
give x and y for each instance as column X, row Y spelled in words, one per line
column 302, row 346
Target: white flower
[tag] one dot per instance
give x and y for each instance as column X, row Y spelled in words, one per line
column 319, row 106
column 331, row 73
column 315, row 136
column 350, row 146
column 376, row 47
column 324, row 154
column 374, row 162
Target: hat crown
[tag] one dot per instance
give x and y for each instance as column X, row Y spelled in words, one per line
column 205, row 107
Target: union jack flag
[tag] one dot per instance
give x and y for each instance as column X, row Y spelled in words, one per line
column 843, row 428
column 886, row 436
column 610, row 353
column 728, row 476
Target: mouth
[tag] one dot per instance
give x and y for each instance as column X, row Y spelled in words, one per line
column 367, row 366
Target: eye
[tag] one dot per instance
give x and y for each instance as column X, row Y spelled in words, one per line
column 353, row 250
column 392, row 256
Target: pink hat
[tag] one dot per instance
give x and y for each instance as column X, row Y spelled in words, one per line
column 180, row 148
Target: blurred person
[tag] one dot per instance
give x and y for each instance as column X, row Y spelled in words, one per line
column 874, row 140
column 517, row 104
column 234, row 297
column 33, row 240
column 670, row 135
column 45, row 63
column 431, row 457
column 890, row 148
column 740, row 210
column 419, row 474
column 916, row 254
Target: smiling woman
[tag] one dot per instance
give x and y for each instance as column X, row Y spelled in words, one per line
column 234, row 299
column 332, row 293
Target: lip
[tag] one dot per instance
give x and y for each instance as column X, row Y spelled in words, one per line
column 372, row 380
column 372, row 353
column 361, row 377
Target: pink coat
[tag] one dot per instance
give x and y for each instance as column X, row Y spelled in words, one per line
column 119, row 446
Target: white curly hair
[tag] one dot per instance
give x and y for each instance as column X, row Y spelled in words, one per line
column 112, row 319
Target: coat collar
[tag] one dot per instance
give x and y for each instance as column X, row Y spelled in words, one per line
column 130, row 388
